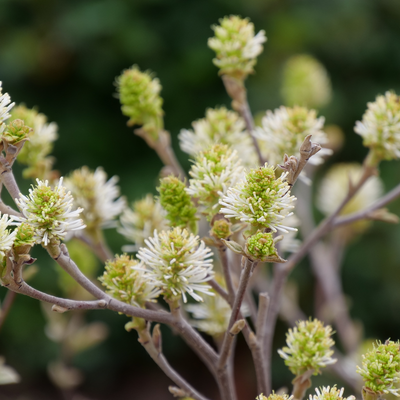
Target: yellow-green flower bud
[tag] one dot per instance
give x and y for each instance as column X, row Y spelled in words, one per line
column 35, row 152
column 180, row 209
column 305, row 82
column 127, row 284
column 236, row 46
column 260, row 247
column 139, row 94
column 380, row 127
column 16, row 132
column 25, row 235
column 381, row 367
column 308, row 347
column 274, row 396
column 221, row 229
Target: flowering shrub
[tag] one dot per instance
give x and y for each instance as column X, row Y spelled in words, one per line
column 200, row 244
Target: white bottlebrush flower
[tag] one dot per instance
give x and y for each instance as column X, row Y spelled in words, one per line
column 334, row 188
column 260, row 199
column 328, row 393
column 178, row 263
column 97, row 196
column 49, row 211
column 380, row 126
column 5, row 107
column 236, row 47
column 213, row 172
column 223, row 126
column 6, row 237
column 284, row 130
column 138, row 223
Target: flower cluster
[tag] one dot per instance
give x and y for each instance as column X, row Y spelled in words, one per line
column 284, row 130
column 126, row 283
column 380, row 127
column 328, row 393
column 178, row 263
column 35, row 153
column 49, row 211
column 308, row 347
column 177, row 203
column 219, row 126
column 7, row 237
column 305, row 82
column 97, row 197
column 5, row 107
column 140, row 222
column 260, row 199
column 139, row 94
column 236, row 47
column 381, row 367
column 213, row 172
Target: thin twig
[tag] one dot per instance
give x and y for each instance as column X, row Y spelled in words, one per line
column 263, row 304
column 5, row 209
column 227, row 272
column 386, row 199
column 244, row 280
column 219, row 289
column 146, row 341
column 248, row 118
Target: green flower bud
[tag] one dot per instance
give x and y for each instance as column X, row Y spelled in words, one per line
column 380, row 368
column 127, row 284
column 25, row 235
column 221, row 229
column 380, row 127
column 139, row 95
column 16, row 132
column 260, row 247
column 305, row 82
column 236, row 46
column 308, row 347
column 35, row 152
column 180, row 209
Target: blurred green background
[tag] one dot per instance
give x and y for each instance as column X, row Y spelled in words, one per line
column 63, row 57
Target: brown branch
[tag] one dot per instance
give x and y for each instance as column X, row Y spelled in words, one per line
column 146, row 341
